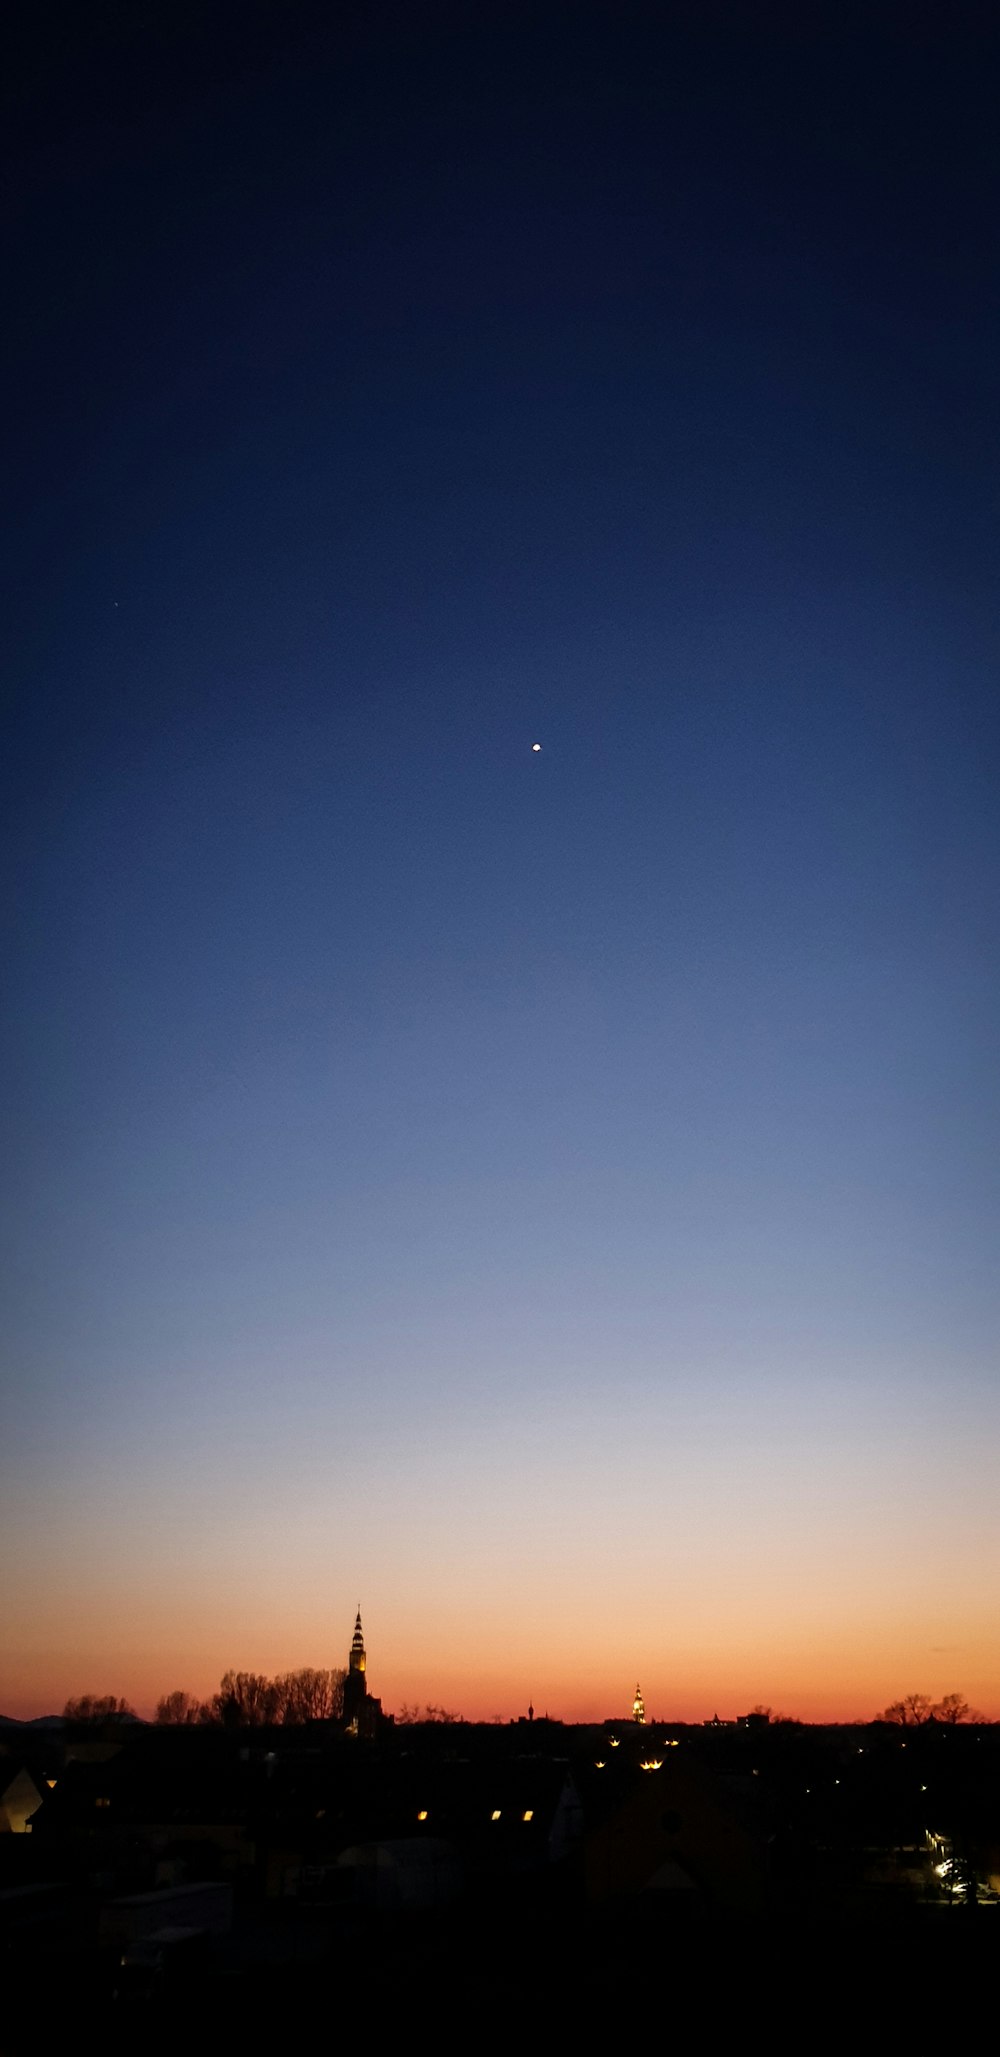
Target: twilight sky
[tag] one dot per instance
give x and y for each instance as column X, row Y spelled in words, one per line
column 551, row 1196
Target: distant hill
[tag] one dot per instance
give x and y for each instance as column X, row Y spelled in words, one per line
column 40, row 1721
column 59, row 1721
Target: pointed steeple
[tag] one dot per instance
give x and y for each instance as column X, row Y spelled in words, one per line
column 638, row 1707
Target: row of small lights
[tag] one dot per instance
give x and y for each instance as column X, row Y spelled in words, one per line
column 837, row 1782
column 528, row 1815
column 647, row 1764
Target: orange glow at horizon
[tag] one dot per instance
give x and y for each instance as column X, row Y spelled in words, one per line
column 777, row 1564
column 845, row 1671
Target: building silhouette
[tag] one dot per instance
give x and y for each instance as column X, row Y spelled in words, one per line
column 362, row 1712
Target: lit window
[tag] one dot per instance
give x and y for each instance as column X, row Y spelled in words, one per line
column 422, row 1816
column 495, row 1816
column 529, row 1814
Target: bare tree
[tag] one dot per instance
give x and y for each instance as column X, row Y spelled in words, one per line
column 310, row 1695
column 178, row 1710
column 916, row 1709
column 246, row 1699
column 92, row 1707
column 911, row 1712
column 408, row 1715
column 954, row 1708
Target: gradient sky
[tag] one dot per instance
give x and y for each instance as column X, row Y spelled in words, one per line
column 549, row 1196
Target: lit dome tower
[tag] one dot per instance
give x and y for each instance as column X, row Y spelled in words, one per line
column 638, row 1707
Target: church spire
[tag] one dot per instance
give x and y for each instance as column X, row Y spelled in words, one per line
column 638, row 1707
column 356, row 1684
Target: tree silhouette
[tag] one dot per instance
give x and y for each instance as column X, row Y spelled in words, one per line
column 915, row 1710
column 408, row 1715
column 246, row 1699
column 178, row 1710
column 910, row 1712
column 309, row 1695
column 954, row 1707
column 93, row 1707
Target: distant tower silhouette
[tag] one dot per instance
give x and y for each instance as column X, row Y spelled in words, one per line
column 356, row 1684
column 638, row 1708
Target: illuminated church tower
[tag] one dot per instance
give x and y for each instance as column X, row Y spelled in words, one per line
column 638, row 1707
column 356, row 1684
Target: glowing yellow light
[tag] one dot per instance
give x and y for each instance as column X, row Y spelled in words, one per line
column 613, row 1740
column 422, row 1816
column 529, row 1814
column 651, row 1764
column 495, row 1816
column 599, row 1764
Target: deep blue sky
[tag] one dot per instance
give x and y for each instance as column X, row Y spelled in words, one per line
column 387, row 395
